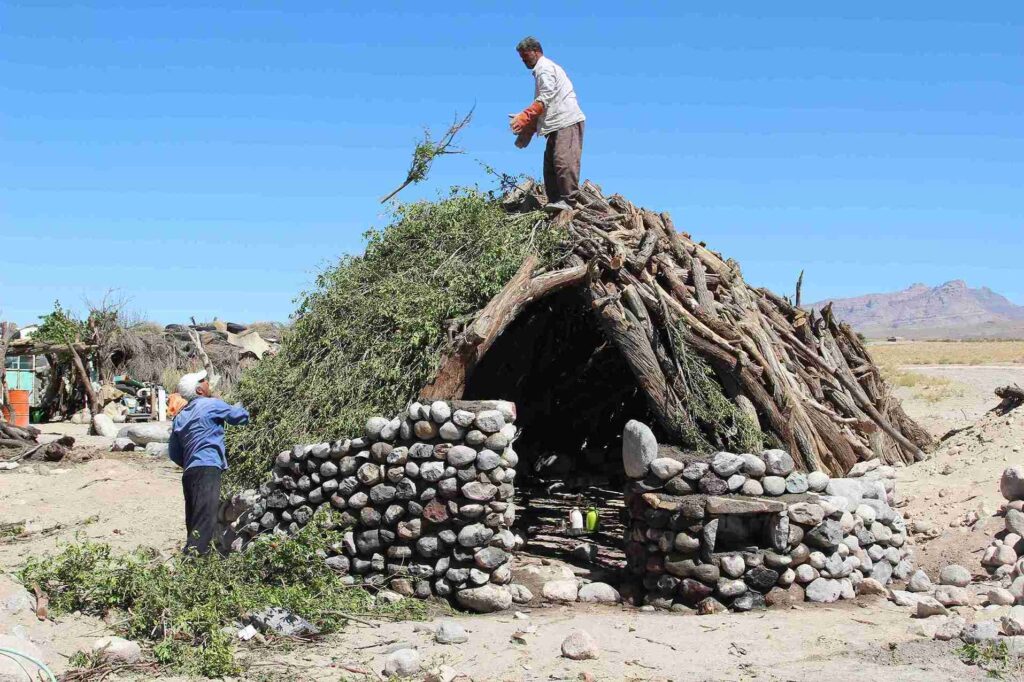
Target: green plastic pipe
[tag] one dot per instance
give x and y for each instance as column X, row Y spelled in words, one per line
column 32, row 659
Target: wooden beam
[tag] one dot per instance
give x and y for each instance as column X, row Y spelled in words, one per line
column 449, row 382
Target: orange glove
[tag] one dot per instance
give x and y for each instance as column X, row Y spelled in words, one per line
column 525, row 136
column 175, row 403
column 526, row 117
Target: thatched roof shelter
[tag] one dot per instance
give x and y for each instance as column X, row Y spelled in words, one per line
column 585, row 319
column 664, row 310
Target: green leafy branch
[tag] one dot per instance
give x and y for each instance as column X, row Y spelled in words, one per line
column 427, row 150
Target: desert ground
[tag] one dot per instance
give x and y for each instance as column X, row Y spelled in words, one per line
column 128, row 500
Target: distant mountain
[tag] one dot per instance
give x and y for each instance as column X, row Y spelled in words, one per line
column 949, row 311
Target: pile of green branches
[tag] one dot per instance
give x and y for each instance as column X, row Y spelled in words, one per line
column 713, row 422
column 371, row 332
column 187, row 609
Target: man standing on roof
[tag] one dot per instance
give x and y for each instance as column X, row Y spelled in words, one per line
column 556, row 115
column 197, row 446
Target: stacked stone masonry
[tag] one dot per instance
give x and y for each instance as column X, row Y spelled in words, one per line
column 744, row 530
column 427, row 497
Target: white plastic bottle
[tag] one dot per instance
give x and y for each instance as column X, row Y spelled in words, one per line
column 576, row 519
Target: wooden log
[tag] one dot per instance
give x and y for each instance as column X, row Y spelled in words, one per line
column 197, row 343
column 858, row 395
column 6, row 334
column 646, row 249
column 83, row 379
column 624, row 330
column 700, row 286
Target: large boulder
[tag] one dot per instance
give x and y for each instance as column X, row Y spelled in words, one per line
column 561, row 590
column 485, row 599
column 601, row 593
column 103, row 425
column 144, row 434
column 639, row 448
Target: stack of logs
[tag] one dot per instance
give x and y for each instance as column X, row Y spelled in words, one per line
column 804, row 377
column 26, row 441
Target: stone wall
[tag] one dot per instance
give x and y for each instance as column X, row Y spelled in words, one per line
column 427, row 497
column 744, row 530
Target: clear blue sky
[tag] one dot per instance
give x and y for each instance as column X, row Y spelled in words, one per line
column 207, row 158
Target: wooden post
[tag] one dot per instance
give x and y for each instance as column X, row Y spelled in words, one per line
column 83, row 377
column 6, row 332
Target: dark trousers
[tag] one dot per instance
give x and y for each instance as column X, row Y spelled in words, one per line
column 201, row 486
column 562, row 162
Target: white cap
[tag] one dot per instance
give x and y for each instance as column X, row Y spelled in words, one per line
column 187, row 384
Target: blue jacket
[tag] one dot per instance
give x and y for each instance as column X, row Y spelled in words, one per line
column 197, row 435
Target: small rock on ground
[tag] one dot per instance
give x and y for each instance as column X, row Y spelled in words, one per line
column 450, row 632
column 402, row 663
column 580, row 646
column 117, row 649
column 956, row 575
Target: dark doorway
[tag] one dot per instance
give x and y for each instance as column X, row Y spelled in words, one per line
column 574, row 394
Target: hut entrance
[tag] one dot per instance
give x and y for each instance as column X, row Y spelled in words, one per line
column 574, row 394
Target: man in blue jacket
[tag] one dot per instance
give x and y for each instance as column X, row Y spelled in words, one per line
column 197, row 446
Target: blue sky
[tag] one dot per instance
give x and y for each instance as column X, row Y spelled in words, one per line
column 207, row 158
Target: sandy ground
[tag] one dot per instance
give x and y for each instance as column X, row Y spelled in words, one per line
column 974, row 383
column 129, row 500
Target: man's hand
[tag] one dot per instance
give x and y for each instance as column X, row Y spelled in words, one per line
column 525, row 136
column 526, row 117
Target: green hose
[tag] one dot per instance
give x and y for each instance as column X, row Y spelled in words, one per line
column 33, row 659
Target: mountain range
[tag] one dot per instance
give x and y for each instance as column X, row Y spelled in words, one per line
column 949, row 311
